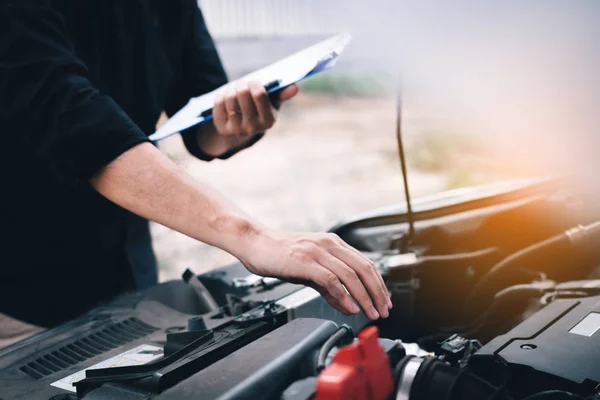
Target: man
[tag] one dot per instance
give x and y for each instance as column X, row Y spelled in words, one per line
column 82, row 83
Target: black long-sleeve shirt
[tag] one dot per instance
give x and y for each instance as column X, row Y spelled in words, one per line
column 81, row 82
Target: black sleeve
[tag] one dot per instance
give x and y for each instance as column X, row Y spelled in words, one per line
column 47, row 102
column 200, row 71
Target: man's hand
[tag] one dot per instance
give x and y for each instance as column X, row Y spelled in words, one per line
column 244, row 109
column 241, row 110
column 324, row 262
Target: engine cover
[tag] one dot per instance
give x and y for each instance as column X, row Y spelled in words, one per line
column 556, row 348
column 144, row 343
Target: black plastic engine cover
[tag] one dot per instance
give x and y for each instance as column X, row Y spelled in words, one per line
column 262, row 369
column 34, row 368
column 130, row 330
column 556, row 348
column 139, row 331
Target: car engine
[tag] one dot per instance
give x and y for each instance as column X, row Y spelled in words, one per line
column 496, row 294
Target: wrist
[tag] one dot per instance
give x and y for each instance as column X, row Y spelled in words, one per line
column 213, row 144
column 238, row 234
column 254, row 243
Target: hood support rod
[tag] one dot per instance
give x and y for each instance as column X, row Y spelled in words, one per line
column 408, row 237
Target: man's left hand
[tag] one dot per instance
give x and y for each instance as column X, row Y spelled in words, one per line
column 244, row 109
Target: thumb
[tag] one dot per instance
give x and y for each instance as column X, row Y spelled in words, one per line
column 288, row 93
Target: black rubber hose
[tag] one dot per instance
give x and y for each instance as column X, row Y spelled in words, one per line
column 203, row 294
column 438, row 380
column 478, row 256
column 484, row 290
column 549, row 251
column 344, row 332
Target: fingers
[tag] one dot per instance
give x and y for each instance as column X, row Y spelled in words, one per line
column 244, row 109
column 234, row 115
column 364, row 268
column 331, row 300
column 353, row 283
column 250, row 121
column 384, row 287
column 220, row 113
column 327, row 282
column 359, row 254
column 288, row 93
column 266, row 112
column 368, row 275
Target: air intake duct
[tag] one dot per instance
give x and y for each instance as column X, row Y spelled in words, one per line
column 422, row 379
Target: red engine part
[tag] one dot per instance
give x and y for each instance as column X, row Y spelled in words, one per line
column 359, row 371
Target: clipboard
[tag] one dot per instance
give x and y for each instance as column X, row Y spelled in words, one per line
column 274, row 77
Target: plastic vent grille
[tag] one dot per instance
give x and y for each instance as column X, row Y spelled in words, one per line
column 87, row 347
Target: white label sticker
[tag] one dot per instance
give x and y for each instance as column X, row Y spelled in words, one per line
column 140, row 355
column 587, row 326
column 298, row 298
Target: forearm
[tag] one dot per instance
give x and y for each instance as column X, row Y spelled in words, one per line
column 145, row 182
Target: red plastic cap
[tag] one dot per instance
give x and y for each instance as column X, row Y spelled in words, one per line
column 359, row 371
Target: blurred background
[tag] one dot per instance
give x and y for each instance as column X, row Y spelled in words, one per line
column 491, row 91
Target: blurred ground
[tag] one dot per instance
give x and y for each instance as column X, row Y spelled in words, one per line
column 329, row 157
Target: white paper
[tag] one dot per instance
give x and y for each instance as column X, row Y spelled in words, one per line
column 289, row 70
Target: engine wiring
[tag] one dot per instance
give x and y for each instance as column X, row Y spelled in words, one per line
column 555, row 248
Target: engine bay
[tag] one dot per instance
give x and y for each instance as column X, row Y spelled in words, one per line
column 496, row 295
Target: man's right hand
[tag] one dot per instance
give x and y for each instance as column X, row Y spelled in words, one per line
column 322, row 261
